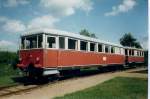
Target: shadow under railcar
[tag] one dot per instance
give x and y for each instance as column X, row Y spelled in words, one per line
column 66, row 74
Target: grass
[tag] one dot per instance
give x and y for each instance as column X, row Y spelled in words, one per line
column 7, row 81
column 6, row 75
column 117, row 88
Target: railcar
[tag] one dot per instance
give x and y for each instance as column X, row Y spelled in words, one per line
column 47, row 51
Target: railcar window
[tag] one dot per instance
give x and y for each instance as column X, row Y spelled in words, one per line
column 31, row 42
column 92, row 46
column 83, row 45
column 112, row 49
column 117, row 50
column 126, row 52
column 137, row 53
column 72, row 44
column 140, row 53
column 100, row 48
column 40, row 39
column 106, row 48
column 130, row 52
column 61, row 42
column 51, row 42
column 22, row 42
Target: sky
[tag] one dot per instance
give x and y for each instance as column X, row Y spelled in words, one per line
column 108, row 19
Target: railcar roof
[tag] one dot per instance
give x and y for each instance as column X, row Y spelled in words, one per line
column 126, row 47
column 69, row 34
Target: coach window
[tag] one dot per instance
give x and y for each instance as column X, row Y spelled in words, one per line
column 100, row 47
column 62, row 42
column 51, row 42
column 106, row 48
column 92, row 46
column 72, row 44
column 112, row 49
column 83, row 45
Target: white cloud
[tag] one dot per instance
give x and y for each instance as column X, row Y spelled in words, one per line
column 14, row 3
column 66, row 7
column 46, row 21
column 7, row 45
column 17, row 26
column 3, row 19
column 11, row 26
column 122, row 8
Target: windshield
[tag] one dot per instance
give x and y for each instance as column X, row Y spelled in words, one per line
column 34, row 41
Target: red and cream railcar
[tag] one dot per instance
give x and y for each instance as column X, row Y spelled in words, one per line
column 134, row 55
column 46, row 51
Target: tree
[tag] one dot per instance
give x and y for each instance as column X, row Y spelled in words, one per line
column 93, row 35
column 128, row 40
column 87, row 33
column 137, row 45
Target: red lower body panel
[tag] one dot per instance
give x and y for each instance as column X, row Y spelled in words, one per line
column 135, row 59
column 65, row 58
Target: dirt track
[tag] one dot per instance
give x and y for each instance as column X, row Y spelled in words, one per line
column 69, row 86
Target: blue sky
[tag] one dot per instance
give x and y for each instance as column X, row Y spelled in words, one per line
column 108, row 19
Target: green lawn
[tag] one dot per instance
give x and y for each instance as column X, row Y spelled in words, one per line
column 6, row 74
column 117, row 88
column 7, row 81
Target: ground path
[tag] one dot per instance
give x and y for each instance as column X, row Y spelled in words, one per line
column 72, row 85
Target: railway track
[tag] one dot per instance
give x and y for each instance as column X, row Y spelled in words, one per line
column 16, row 89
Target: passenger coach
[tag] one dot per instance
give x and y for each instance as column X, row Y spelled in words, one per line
column 134, row 55
column 47, row 51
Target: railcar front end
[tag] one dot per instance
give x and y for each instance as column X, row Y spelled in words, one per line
column 32, row 55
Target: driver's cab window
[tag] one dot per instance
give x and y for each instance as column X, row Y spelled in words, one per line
column 51, row 42
column 31, row 42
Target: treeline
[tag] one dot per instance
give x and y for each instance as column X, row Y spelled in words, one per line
column 7, row 57
column 8, row 61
